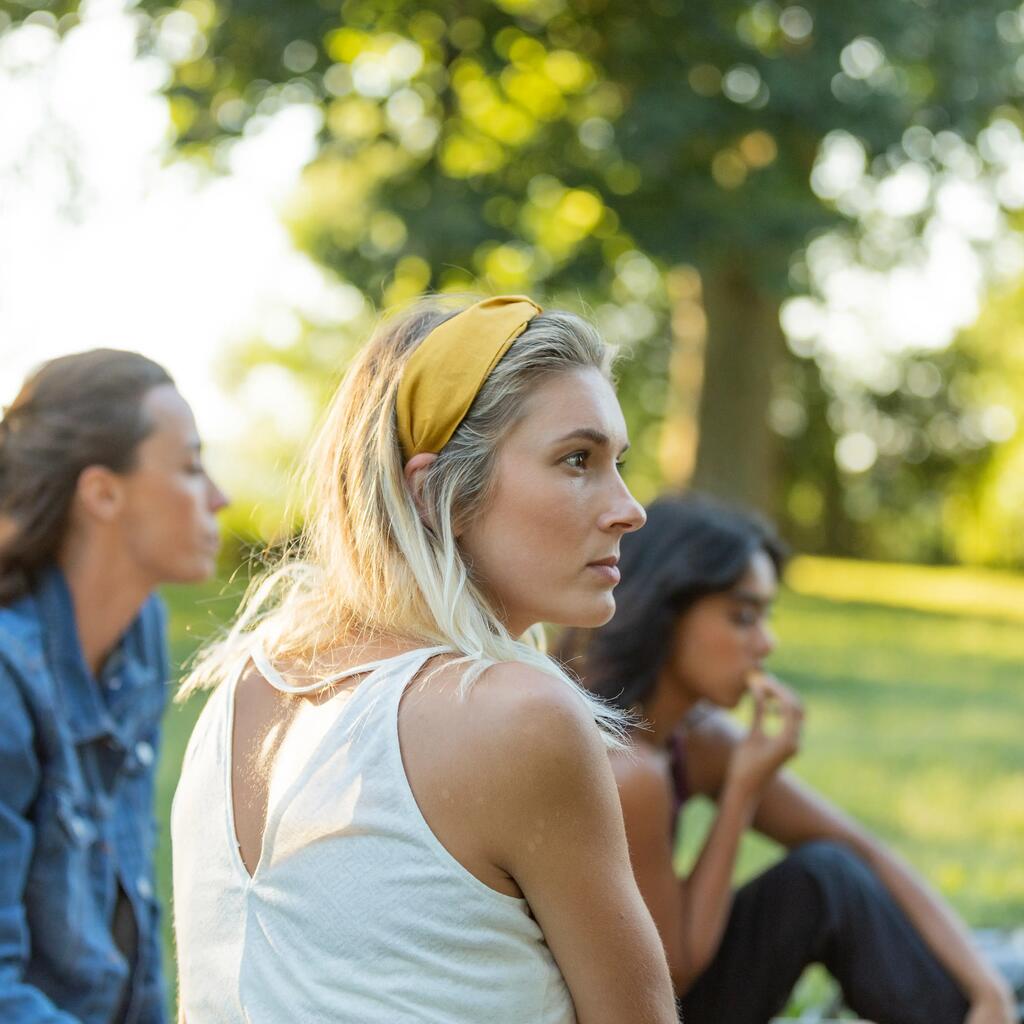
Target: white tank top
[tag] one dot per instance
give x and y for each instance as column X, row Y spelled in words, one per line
column 355, row 913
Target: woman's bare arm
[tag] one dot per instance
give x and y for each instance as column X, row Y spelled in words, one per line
column 690, row 913
column 556, row 828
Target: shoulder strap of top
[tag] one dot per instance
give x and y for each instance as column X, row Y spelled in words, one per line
column 272, row 676
column 679, row 775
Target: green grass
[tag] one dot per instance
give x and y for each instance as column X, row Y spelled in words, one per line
column 913, row 720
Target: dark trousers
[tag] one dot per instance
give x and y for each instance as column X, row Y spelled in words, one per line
column 821, row 904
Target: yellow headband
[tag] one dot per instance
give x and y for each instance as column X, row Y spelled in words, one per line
column 450, row 366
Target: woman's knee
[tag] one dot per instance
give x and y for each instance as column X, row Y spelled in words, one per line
column 831, row 864
column 824, row 854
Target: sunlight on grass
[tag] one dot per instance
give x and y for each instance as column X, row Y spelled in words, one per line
column 989, row 593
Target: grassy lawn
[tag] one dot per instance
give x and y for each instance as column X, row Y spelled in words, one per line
column 912, row 682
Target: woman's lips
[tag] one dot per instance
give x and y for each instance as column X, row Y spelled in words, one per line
column 606, row 570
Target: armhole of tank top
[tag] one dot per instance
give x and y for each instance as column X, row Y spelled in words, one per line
column 275, row 809
column 226, row 778
column 430, row 839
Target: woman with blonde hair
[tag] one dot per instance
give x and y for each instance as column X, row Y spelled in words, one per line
column 395, row 807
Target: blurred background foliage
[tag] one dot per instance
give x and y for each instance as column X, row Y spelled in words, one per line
column 694, row 177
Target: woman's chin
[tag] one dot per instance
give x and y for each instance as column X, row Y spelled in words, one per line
column 731, row 697
column 195, row 569
column 592, row 613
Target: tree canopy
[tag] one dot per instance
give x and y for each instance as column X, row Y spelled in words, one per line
column 660, row 162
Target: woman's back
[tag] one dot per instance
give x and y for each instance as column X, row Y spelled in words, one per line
column 464, row 485
column 351, row 908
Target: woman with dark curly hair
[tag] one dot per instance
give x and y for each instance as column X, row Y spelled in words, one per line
column 689, row 638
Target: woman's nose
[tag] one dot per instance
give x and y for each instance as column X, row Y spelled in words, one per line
column 766, row 640
column 627, row 514
column 218, row 499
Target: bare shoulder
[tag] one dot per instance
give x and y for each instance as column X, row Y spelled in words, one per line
column 515, row 726
column 712, row 725
column 712, row 733
column 520, row 748
column 710, row 740
column 510, row 700
column 529, row 705
column 642, row 777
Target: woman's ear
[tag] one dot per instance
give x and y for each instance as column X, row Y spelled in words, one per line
column 99, row 494
column 415, row 474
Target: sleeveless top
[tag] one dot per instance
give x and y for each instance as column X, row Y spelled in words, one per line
column 355, row 911
column 679, row 777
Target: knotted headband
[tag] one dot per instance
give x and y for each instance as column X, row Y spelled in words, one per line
column 450, row 366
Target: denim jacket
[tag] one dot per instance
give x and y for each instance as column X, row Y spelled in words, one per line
column 77, row 766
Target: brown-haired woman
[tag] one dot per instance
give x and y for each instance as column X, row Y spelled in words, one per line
column 102, row 498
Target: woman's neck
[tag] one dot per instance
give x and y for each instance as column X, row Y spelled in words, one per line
column 106, row 593
column 665, row 710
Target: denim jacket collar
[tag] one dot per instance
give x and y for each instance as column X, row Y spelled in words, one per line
column 96, row 708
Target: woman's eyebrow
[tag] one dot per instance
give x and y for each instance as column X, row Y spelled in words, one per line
column 589, row 434
column 748, row 597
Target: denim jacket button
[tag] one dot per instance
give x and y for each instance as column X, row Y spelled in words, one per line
column 144, row 752
column 145, row 889
column 114, row 683
column 80, row 828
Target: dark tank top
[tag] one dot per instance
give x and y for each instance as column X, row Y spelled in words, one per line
column 680, row 780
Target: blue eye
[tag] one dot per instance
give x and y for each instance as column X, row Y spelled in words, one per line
column 578, row 460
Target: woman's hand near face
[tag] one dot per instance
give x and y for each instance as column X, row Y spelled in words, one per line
column 762, row 752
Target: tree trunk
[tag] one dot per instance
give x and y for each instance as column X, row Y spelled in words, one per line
column 737, row 452
column 677, row 448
